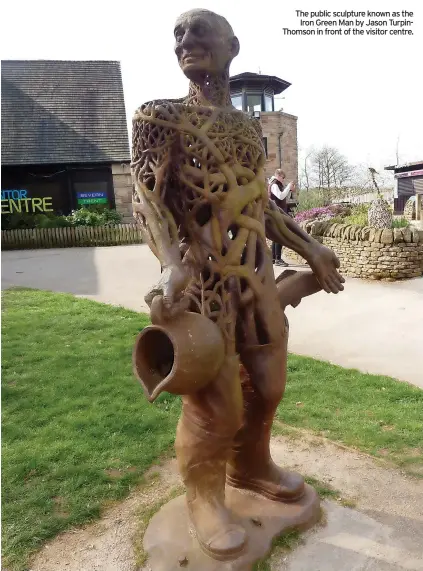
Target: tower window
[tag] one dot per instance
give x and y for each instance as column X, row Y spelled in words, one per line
column 254, row 102
column 237, row 101
column 268, row 102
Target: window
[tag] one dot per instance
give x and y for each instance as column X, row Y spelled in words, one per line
column 237, row 101
column 265, row 145
column 254, row 103
column 268, row 102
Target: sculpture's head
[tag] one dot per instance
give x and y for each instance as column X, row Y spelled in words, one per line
column 205, row 43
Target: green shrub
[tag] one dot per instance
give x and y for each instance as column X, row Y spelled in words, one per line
column 50, row 221
column 400, row 223
column 111, row 217
column 17, row 221
column 85, row 217
column 94, row 217
column 309, row 199
column 80, row 217
column 358, row 216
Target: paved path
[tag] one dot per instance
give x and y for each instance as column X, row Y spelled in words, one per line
column 353, row 541
column 384, row 533
column 375, row 327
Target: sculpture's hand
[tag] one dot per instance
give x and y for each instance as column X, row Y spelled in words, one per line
column 324, row 264
column 171, row 285
column 174, row 280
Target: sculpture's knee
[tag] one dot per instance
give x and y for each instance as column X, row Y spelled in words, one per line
column 226, row 398
column 233, row 420
column 271, row 388
column 266, row 368
column 217, row 410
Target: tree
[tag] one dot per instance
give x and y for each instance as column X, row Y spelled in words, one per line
column 329, row 174
column 305, row 182
column 327, row 170
column 331, row 169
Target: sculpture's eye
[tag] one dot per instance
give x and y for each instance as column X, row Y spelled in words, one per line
column 179, row 34
column 199, row 30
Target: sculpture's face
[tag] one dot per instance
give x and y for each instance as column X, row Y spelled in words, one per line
column 205, row 43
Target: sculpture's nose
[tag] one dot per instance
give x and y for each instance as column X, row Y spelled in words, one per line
column 189, row 40
column 185, row 44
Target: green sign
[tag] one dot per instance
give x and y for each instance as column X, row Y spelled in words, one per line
column 92, row 200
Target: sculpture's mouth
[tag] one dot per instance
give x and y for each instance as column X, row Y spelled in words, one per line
column 194, row 56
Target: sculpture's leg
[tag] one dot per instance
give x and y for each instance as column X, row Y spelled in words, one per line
column 251, row 465
column 209, row 421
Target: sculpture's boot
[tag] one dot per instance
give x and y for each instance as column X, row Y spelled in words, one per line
column 203, row 443
column 251, row 466
column 218, row 535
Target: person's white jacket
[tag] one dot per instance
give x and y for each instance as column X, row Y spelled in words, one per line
column 276, row 191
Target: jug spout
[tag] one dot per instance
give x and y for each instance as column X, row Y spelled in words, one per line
column 153, row 360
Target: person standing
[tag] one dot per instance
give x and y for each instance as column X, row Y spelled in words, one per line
column 280, row 196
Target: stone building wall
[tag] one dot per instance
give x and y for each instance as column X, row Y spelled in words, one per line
column 274, row 124
column 122, row 184
column 370, row 253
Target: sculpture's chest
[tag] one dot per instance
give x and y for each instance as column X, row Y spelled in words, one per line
column 220, row 138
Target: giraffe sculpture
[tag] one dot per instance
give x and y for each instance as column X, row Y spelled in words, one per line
column 201, row 200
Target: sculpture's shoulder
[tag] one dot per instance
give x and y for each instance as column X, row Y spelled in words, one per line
column 257, row 127
column 245, row 121
column 157, row 109
column 248, row 126
column 154, row 125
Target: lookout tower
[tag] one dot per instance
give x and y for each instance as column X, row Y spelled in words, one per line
column 254, row 94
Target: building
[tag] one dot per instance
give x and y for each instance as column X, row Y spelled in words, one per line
column 255, row 94
column 64, row 137
column 408, row 183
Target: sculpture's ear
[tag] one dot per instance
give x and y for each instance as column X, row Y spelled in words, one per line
column 234, row 47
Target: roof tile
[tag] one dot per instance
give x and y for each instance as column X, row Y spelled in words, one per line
column 62, row 111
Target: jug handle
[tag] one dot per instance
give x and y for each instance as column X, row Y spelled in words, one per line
column 160, row 314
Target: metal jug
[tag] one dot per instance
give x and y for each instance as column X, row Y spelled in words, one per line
column 179, row 355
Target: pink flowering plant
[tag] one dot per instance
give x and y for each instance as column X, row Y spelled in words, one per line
column 322, row 213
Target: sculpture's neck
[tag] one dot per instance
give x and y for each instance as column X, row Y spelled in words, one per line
column 210, row 90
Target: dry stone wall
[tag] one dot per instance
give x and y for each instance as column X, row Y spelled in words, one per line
column 368, row 252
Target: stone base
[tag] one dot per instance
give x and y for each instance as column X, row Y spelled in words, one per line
column 171, row 544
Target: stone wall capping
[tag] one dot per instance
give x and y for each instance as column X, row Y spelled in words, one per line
column 370, row 253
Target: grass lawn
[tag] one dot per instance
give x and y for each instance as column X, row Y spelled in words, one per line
column 78, row 432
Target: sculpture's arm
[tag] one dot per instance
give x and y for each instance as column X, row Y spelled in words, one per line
column 282, row 229
column 152, row 144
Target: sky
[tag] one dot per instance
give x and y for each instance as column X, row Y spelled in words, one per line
column 361, row 95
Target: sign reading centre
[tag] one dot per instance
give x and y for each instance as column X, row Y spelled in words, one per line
column 19, row 201
column 91, row 197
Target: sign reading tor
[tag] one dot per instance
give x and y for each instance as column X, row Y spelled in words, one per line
column 19, row 201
